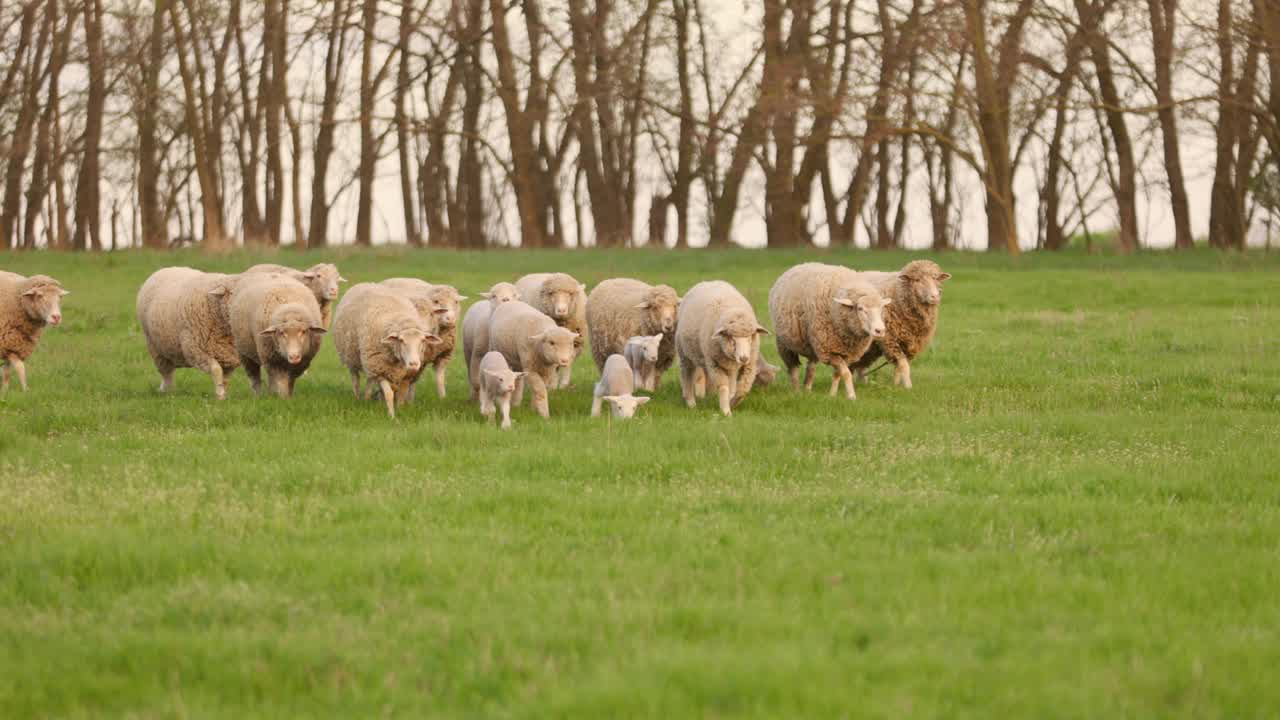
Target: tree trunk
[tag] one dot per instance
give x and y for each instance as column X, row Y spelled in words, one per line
column 88, row 196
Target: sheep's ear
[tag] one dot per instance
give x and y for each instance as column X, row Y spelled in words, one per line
column 318, row 329
column 537, row 337
column 31, row 293
column 486, row 295
column 643, row 305
column 432, row 338
column 269, row 331
column 944, row 276
column 885, row 301
column 611, row 398
column 761, row 330
column 219, row 291
column 390, row 337
column 575, row 335
column 493, row 374
column 659, row 336
column 341, row 279
column 63, row 293
column 642, row 400
column 521, row 374
column 845, row 301
column 459, row 298
column 722, row 330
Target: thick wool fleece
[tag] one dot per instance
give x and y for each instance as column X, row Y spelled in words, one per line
column 613, row 317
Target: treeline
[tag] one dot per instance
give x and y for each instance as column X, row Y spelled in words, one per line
column 549, row 123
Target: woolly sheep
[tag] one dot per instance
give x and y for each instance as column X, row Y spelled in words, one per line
column 828, row 314
column 622, row 308
column 27, row 306
column 322, row 279
column 185, row 319
column 911, row 320
column 531, row 341
column 379, row 334
column 564, row 300
column 276, row 324
column 641, row 352
column 497, row 384
column 616, row 387
column 717, row 340
column 442, row 304
column 475, row 330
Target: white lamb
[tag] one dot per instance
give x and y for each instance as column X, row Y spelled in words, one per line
column 616, row 387
column 641, row 352
column 497, row 386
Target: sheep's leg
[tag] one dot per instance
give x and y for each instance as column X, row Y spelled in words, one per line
column 219, row 381
column 688, row 384
column 595, row 404
column 505, row 401
column 902, row 373
column 486, row 403
column 389, row 396
column 292, row 380
column 19, row 369
column 840, row 372
column 638, row 378
column 165, row 368
column 836, row 377
column 440, row 368
column 517, row 398
column 810, row 371
column 473, row 376
column 724, row 388
column 254, row 371
column 278, row 382
column 539, row 385
column 411, row 393
column 700, row 382
column 355, row 383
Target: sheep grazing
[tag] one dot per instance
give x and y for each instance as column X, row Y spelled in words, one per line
column 322, row 280
column 916, row 292
column 442, row 305
column 531, row 341
column 564, row 300
column 498, row 383
column 827, row 314
column 622, row 308
column 475, row 330
column 641, row 352
column 276, row 324
column 27, row 306
column 379, row 333
column 185, row 319
column 717, row 340
column 615, row 387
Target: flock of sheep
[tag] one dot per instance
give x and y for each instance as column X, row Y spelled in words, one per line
column 273, row 318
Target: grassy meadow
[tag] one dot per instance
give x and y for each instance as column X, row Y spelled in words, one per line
column 1075, row 513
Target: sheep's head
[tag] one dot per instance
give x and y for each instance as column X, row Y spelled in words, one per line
column 922, row 279
column 737, row 337
column 662, row 305
column 559, row 295
column 408, row 344
column 556, row 346
column 648, row 345
column 503, row 382
column 445, row 305
column 624, row 406
column 323, row 280
column 291, row 333
column 41, row 299
column 863, row 308
column 501, row 293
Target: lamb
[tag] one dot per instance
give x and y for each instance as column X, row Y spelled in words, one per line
column 623, row 308
column 532, row 342
column 185, row 319
column 475, row 330
column 717, row 340
column 378, row 333
column 828, row 314
column 615, row 387
column 441, row 305
column 563, row 299
column 497, row 384
column 27, row 306
column 276, row 323
column 322, row 279
column 912, row 319
column 641, row 353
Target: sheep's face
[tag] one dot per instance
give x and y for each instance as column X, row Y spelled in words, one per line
column 662, row 313
column 624, row 406
column 501, row 293
column 925, row 288
column 559, row 302
column 556, row 346
column 409, row 345
column 648, row 345
column 292, row 340
column 868, row 313
column 323, row 280
column 502, row 382
column 445, row 306
column 740, row 348
column 43, row 302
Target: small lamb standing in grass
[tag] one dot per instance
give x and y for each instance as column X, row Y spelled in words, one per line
column 564, row 300
column 718, row 341
column 27, row 306
column 498, row 384
column 912, row 319
column 533, row 343
column 186, row 321
column 379, row 334
column 276, row 323
column 616, row 387
column 475, row 330
column 828, row 314
column 442, row 305
column 641, row 352
column 321, row 279
column 622, row 308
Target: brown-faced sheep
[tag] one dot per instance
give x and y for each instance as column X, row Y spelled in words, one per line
column 616, row 387
column 718, row 342
column 27, row 306
column 910, row 321
column 564, row 300
column 185, row 319
column 475, row 330
column 497, row 386
column 276, row 323
column 827, row 314
column 378, row 333
column 322, row 279
column 441, row 304
column 621, row 308
column 531, row 341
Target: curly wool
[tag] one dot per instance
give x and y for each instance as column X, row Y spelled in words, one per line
column 807, row 320
column 908, row 323
column 19, row 332
column 425, row 296
column 266, row 300
column 707, row 308
column 366, row 314
column 613, row 318
column 326, row 274
column 185, row 325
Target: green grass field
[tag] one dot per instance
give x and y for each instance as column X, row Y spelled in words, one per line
column 1075, row 513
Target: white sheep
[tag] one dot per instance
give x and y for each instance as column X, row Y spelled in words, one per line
column 475, row 330
column 186, row 322
column 827, row 314
column 322, row 279
column 378, row 333
column 912, row 319
column 621, row 308
column 27, row 306
column 276, row 324
column 531, row 341
column 442, row 304
column 641, row 352
column 497, row 386
column 718, row 342
column 564, row 300
column 616, row 387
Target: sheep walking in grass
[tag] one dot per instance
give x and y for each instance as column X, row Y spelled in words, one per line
column 440, row 305
column 276, row 324
column 912, row 319
column 533, row 343
column 186, row 321
column 617, row 387
column 564, row 300
column 718, row 343
column 475, row 330
column 622, row 308
column 27, row 306
column 642, row 352
column 321, row 279
column 827, row 314
column 498, row 384
column 379, row 335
